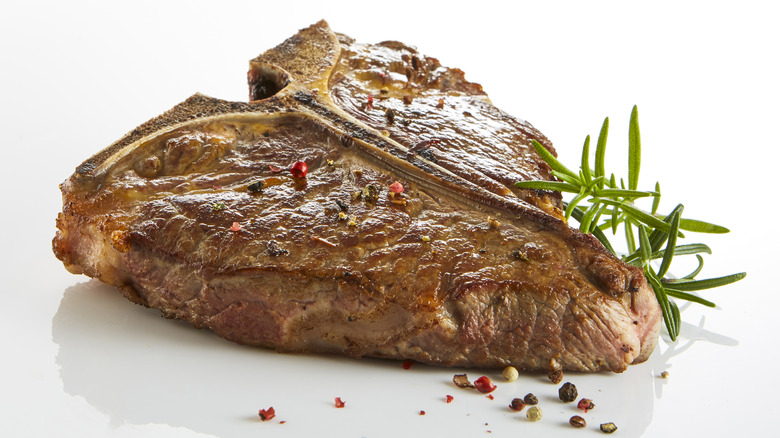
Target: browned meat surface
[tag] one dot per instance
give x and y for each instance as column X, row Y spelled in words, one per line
column 459, row 269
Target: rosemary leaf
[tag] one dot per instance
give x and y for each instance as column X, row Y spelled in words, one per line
column 601, row 148
column 702, row 227
column 688, row 297
column 639, row 215
column 634, row 150
column 596, row 218
column 659, row 237
column 675, row 317
column 696, row 271
column 551, row 160
column 615, row 219
column 573, row 203
column 587, row 218
column 657, row 199
column 559, row 186
column 576, row 181
column 644, row 245
column 694, row 285
column 671, row 244
column 630, row 240
column 622, row 193
column 598, row 181
column 689, row 249
column 672, row 323
column 585, row 166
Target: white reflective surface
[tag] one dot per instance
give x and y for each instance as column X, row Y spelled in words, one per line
column 79, row 360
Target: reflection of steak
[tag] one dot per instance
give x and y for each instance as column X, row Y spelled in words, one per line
column 459, row 269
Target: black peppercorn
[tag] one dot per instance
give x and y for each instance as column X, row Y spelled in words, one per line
column 568, row 392
column 255, row 187
column 530, row 399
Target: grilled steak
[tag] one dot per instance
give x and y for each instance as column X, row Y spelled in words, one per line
column 406, row 238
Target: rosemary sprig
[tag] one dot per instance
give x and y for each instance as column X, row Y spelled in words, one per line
column 600, row 203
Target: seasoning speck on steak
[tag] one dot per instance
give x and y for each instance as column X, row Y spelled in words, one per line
column 196, row 213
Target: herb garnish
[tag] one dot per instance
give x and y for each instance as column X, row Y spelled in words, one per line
column 649, row 235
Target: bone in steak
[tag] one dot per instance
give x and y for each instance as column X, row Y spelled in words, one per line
column 195, row 213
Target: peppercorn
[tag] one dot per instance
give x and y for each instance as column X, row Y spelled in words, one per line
column 396, row 187
column 517, row 404
column 568, row 392
column 608, row 427
column 299, row 169
column 484, row 385
column 664, row 374
column 577, row 421
column 255, row 187
column 510, row 374
column 390, row 115
column 370, row 192
column 585, row 404
column 530, row 399
column 534, row 413
column 556, row 376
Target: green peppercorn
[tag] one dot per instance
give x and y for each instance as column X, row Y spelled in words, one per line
column 608, row 427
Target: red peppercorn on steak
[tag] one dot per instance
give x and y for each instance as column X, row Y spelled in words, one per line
column 361, row 202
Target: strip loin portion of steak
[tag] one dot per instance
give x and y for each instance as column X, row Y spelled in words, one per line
column 196, row 214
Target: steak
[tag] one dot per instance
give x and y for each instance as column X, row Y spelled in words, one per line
column 405, row 239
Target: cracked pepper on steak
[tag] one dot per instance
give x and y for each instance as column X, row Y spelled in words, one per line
column 460, row 269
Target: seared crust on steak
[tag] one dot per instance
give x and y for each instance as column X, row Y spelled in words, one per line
column 459, row 269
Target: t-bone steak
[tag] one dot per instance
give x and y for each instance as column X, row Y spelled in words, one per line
column 196, row 213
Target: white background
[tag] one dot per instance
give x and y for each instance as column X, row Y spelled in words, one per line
column 78, row 360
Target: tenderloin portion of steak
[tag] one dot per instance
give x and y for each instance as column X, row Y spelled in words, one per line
column 196, row 213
